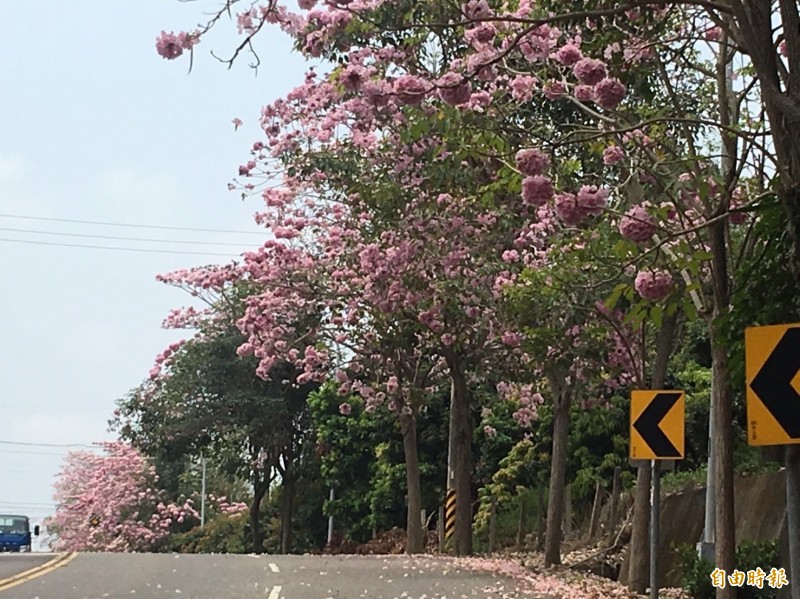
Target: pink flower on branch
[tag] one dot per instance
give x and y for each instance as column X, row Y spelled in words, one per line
column 609, row 92
column 532, row 161
column 637, row 225
column 568, row 54
column 454, row 89
column 477, row 9
column 653, row 285
column 522, row 87
column 172, row 45
column 584, row 93
column 574, row 209
column 536, row 190
column 589, row 71
column 411, row 89
column 612, row 155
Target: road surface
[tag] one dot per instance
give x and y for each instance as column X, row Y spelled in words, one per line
column 145, row 576
column 14, row 563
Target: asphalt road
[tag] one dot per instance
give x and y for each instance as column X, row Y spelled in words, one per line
column 144, row 576
column 14, row 563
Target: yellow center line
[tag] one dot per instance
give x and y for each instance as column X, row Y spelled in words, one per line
column 54, row 563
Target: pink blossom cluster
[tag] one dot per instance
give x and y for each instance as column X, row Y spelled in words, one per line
column 623, row 348
column 609, row 92
column 653, row 284
column 532, row 161
column 454, row 89
column 568, row 54
column 184, row 318
column 411, row 89
column 163, row 359
column 230, row 508
column 573, row 209
column 525, row 397
column 118, row 489
column 613, row 154
column 536, row 190
column 637, row 224
column 589, row 71
column 171, row 45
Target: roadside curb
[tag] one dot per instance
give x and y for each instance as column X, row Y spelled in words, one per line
column 56, row 562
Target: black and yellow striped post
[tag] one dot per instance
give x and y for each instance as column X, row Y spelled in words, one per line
column 449, row 513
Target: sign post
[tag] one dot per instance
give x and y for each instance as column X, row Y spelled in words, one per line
column 449, row 513
column 772, row 365
column 656, row 434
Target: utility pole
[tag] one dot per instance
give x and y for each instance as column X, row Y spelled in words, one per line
column 705, row 548
column 330, row 520
column 793, row 516
column 655, row 514
column 203, row 495
column 451, row 441
column 450, row 498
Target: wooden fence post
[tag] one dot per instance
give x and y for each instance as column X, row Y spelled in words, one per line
column 541, row 516
column 593, row 522
column 440, row 526
column 615, row 490
column 492, row 523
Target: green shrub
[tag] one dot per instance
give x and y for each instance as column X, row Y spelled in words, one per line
column 222, row 534
column 696, row 572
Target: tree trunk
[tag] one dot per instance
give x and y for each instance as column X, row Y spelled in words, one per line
column 725, row 531
column 461, row 421
column 259, row 490
column 415, row 542
column 540, row 518
column 755, row 22
column 558, row 471
column 287, row 507
column 521, row 522
column 639, row 562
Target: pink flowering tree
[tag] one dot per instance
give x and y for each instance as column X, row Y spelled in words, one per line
column 536, row 55
column 300, row 293
column 371, row 112
column 111, row 501
column 202, row 397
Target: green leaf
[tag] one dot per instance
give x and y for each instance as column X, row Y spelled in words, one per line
column 656, row 313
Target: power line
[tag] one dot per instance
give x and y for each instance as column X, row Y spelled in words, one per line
column 100, row 247
column 107, row 224
column 48, row 444
column 116, row 238
column 31, row 452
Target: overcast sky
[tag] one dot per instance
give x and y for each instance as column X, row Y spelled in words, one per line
column 95, row 126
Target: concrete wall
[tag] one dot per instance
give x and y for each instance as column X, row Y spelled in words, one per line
column 760, row 506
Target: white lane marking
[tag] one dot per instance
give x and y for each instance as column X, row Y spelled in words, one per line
column 273, row 567
column 275, row 592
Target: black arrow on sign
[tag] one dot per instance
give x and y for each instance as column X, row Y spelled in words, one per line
column 647, row 425
column 773, row 386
